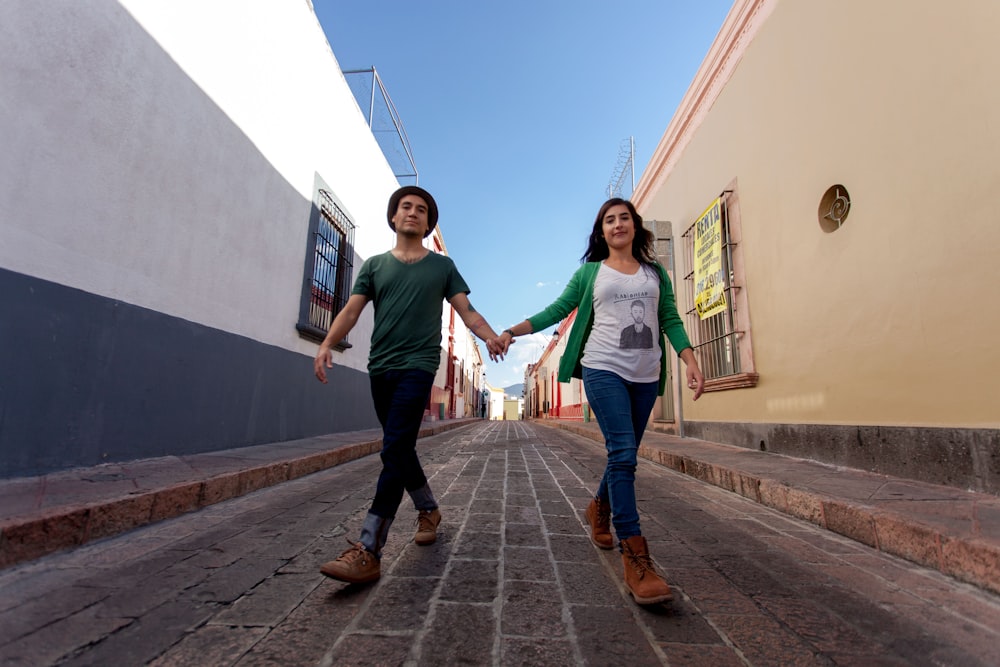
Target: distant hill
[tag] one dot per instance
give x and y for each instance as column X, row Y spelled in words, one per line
column 515, row 390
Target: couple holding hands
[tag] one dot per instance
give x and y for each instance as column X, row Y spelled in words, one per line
column 611, row 347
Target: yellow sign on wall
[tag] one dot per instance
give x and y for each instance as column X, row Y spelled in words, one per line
column 709, row 279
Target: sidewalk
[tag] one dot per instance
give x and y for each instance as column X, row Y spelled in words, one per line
column 940, row 527
column 950, row 530
column 49, row 513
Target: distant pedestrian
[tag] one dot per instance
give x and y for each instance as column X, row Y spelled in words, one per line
column 407, row 286
column 623, row 372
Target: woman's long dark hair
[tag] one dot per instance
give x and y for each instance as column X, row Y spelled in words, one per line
column 642, row 244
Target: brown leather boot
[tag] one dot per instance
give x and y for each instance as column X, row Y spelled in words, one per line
column 427, row 523
column 645, row 585
column 599, row 516
column 357, row 565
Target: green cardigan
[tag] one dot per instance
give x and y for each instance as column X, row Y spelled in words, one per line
column 579, row 294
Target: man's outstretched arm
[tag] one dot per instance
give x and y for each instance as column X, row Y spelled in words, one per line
column 478, row 325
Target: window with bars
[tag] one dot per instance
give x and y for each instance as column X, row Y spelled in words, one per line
column 722, row 340
column 329, row 266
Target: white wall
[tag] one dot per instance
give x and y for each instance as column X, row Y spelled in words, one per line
column 92, row 148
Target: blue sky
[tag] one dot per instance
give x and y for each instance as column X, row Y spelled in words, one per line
column 516, row 112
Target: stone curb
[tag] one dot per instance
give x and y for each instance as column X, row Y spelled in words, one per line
column 963, row 557
column 27, row 538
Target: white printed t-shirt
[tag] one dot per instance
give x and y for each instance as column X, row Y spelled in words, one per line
column 623, row 338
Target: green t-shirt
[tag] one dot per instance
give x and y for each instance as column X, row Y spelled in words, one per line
column 408, row 301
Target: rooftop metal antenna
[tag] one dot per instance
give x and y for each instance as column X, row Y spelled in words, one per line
column 383, row 121
column 624, row 172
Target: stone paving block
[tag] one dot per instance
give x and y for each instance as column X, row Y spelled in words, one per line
column 901, row 537
column 700, row 655
column 486, row 506
column 487, row 523
column 557, row 507
column 527, row 563
column 830, row 543
column 677, row 622
column 31, row 538
column 548, row 652
column 532, row 609
column 175, row 500
column 220, row 488
column 589, row 584
column 311, row 630
column 850, row 521
column 844, row 659
column 475, row 544
column 118, row 516
column 146, row 638
column 268, row 603
column 563, row 525
column 226, row 584
column 34, row 614
column 211, row 645
column 471, row 581
column 150, row 592
column 521, row 488
column 572, row 548
column 456, row 498
column 56, row 640
column 523, row 515
column 427, row 561
column 972, row 561
column 711, row 592
column 755, row 578
column 796, row 502
column 605, row 640
column 817, row 625
column 524, row 535
column 460, row 634
column 954, row 639
column 758, row 637
column 803, row 551
column 520, row 500
column 579, row 495
column 400, row 604
column 209, row 537
column 365, row 650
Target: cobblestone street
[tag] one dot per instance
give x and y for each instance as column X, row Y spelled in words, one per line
column 512, row 580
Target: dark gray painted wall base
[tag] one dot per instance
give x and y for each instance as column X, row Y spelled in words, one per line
column 968, row 459
column 86, row 379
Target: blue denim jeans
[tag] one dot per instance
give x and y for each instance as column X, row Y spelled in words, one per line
column 622, row 409
column 400, row 397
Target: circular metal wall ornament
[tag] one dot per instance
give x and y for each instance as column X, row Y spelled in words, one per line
column 834, row 208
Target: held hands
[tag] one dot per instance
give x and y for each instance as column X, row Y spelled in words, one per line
column 498, row 346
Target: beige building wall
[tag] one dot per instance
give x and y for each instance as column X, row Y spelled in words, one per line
column 889, row 321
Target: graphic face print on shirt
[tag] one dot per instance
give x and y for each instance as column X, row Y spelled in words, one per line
column 636, row 334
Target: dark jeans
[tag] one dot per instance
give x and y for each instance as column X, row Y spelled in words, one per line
column 400, row 398
column 622, row 409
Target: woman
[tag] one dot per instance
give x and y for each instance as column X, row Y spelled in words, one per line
column 617, row 290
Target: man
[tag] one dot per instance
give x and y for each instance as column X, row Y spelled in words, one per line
column 407, row 286
column 637, row 336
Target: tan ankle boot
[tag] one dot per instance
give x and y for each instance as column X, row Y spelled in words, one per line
column 427, row 523
column 645, row 585
column 599, row 516
column 357, row 565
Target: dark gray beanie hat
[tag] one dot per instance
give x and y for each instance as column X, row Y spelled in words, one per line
column 432, row 207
